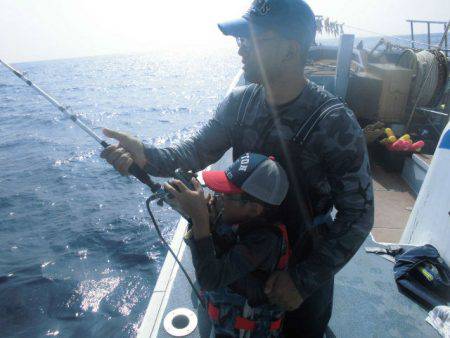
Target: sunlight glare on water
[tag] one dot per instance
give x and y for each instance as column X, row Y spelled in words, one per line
column 80, row 258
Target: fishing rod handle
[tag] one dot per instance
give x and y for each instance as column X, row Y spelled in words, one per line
column 142, row 176
column 139, row 173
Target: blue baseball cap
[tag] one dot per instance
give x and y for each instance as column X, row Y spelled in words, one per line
column 292, row 19
column 257, row 175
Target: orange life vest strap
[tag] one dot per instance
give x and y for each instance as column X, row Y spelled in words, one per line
column 242, row 323
column 284, row 259
column 276, row 325
column 213, row 311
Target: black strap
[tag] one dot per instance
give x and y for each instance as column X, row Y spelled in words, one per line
column 300, row 137
column 246, row 100
column 305, row 240
column 309, row 124
column 318, row 115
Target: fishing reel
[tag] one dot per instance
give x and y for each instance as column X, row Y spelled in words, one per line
column 162, row 196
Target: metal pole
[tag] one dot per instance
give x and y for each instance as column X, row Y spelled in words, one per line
column 344, row 59
column 447, row 107
column 62, row 109
column 412, row 35
column 429, row 36
column 444, row 37
column 446, row 40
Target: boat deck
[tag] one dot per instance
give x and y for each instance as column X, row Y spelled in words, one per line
column 366, row 303
column 394, row 201
column 366, row 296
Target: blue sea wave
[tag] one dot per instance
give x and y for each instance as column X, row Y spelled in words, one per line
column 78, row 257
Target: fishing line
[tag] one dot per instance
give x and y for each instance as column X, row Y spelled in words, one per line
column 155, row 224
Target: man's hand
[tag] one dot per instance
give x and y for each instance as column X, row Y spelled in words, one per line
column 193, row 203
column 122, row 155
column 281, row 290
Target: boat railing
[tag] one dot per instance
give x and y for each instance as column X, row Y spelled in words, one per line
column 428, row 23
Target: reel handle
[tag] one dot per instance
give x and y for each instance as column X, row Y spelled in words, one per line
column 162, row 196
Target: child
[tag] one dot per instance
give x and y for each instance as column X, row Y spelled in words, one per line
column 234, row 257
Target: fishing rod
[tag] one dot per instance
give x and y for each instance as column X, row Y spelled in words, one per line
column 134, row 169
column 159, row 193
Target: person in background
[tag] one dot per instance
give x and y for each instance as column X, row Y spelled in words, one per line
column 311, row 133
column 234, row 256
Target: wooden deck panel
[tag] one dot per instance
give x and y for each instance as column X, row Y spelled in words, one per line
column 393, row 204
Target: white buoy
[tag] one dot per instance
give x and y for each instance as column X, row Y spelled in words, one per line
column 429, row 222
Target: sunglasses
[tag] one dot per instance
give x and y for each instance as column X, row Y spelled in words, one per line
column 250, row 42
column 230, row 197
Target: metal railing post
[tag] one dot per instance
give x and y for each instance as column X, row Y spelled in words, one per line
column 446, row 40
column 429, row 35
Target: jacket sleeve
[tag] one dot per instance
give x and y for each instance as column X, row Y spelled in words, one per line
column 344, row 158
column 257, row 249
column 205, row 147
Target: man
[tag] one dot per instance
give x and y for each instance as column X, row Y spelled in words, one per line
column 311, row 133
column 234, row 255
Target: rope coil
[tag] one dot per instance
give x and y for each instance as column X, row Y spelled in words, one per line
column 430, row 88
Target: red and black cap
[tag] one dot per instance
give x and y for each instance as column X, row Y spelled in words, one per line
column 257, row 175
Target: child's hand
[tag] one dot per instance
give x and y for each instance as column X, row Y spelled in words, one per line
column 281, row 290
column 192, row 202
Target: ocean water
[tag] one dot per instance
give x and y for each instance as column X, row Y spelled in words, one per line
column 77, row 257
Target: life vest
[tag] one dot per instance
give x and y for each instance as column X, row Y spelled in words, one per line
column 242, row 323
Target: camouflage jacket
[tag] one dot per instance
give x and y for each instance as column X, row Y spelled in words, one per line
column 232, row 266
column 330, row 168
column 238, row 256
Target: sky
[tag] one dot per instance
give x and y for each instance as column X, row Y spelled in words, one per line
column 52, row 29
